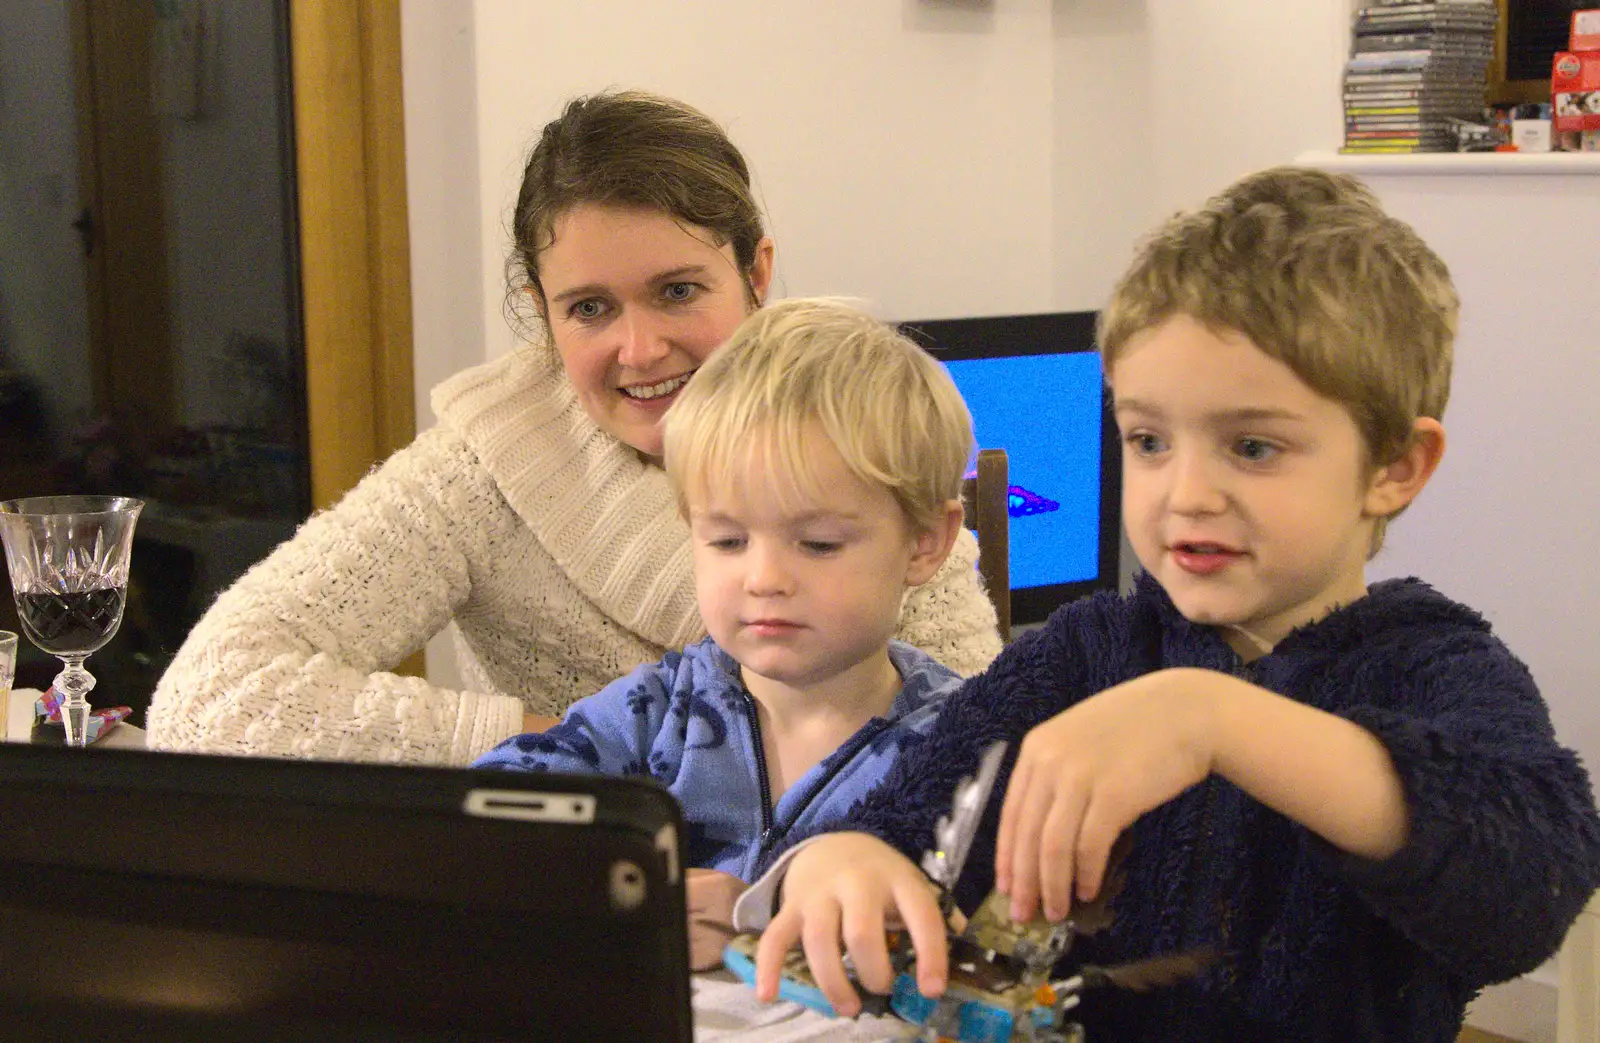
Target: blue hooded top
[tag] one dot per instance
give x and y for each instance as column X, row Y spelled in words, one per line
column 689, row 723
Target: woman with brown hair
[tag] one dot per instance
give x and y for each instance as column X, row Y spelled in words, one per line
column 536, row 515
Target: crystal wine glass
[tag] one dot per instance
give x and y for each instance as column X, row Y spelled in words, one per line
column 68, row 557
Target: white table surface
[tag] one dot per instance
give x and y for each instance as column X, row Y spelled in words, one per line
column 19, row 723
column 726, row 1011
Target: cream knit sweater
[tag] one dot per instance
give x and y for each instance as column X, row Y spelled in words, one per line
column 556, row 551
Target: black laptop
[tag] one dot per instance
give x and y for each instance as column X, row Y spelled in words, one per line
column 174, row 897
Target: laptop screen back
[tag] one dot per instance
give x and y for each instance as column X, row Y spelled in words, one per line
column 163, row 896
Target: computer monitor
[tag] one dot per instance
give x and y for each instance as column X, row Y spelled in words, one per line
column 1035, row 388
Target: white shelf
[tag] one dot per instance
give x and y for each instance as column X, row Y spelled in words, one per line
column 1433, row 164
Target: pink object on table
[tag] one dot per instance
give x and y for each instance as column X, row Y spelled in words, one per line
column 48, row 708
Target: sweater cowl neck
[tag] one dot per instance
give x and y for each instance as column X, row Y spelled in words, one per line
column 608, row 519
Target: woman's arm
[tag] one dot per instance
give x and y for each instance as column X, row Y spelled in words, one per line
column 950, row 617
column 294, row 658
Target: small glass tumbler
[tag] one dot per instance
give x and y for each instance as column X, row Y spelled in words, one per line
column 8, row 671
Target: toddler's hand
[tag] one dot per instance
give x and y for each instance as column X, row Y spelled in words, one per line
column 848, row 884
column 533, row 722
column 1085, row 775
column 710, row 898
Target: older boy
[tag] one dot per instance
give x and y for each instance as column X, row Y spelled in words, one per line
column 818, row 458
column 1353, row 793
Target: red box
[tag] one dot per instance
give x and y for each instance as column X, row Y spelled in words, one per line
column 1575, row 90
column 1585, row 30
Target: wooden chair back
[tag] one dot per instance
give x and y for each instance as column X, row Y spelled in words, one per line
column 986, row 498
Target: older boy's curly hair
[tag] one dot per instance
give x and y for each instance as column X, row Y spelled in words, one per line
column 1308, row 266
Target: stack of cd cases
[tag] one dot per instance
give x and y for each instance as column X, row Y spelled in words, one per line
column 1415, row 66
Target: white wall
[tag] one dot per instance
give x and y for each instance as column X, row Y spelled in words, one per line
column 441, row 111
column 1237, row 85
column 902, row 149
column 938, row 157
column 1103, row 150
column 439, row 67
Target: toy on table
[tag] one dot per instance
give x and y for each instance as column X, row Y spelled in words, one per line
column 47, row 726
column 999, row 986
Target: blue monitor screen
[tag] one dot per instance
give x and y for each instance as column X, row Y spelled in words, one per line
column 1034, row 386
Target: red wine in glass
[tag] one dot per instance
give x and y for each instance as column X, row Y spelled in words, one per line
column 68, row 560
column 78, row 622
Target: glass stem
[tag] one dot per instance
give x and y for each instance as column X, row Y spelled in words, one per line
column 73, row 684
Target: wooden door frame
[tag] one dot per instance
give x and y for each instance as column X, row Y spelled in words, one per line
column 355, row 263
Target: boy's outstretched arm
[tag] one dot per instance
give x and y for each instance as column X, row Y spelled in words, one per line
column 1325, row 772
column 1503, row 839
column 843, row 888
column 1087, row 774
column 1444, row 802
column 1034, row 678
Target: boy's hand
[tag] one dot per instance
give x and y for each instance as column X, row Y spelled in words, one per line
column 710, row 898
column 1085, row 775
column 847, row 884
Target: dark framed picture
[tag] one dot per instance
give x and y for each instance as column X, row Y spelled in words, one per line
column 1528, row 33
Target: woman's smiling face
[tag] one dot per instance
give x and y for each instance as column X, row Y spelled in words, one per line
column 635, row 302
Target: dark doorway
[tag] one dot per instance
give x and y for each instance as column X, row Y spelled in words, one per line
column 150, row 321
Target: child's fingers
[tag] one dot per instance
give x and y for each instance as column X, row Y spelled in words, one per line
column 705, row 946
column 1058, row 852
column 1005, row 841
column 864, row 934
column 1033, row 809
column 926, row 926
column 776, row 941
column 1103, row 822
column 820, row 937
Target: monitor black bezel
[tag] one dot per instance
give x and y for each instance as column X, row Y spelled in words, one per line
column 1047, row 333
